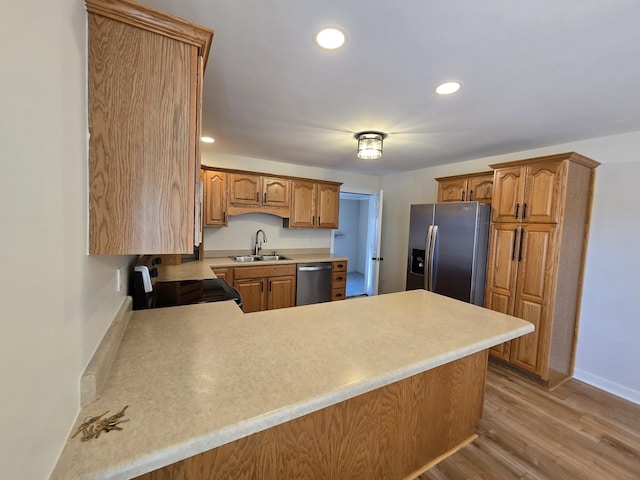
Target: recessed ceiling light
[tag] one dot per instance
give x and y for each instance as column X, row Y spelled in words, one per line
column 330, row 38
column 207, row 139
column 448, row 88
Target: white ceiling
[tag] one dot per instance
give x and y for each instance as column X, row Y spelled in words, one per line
column 534, row 73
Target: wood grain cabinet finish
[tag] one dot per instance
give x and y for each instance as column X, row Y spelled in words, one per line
column 249, row 193
column 339, row 280
column 466, row 188
column 536, row 261
column 314, row 205
column 215, row 198
column 145, row 71
column 529, row 193
column 266, row 288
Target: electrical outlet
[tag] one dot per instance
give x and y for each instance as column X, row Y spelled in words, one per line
column 119, row 280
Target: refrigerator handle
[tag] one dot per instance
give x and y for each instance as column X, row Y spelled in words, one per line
column 427, row 262
column 432, row 252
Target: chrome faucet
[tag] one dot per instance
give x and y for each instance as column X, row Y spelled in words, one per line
column 258, row 246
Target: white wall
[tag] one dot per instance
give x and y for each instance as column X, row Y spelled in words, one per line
column 241, row 231
column 608, row 344
column 57, row 302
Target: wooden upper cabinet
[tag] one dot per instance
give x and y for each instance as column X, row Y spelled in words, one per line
column 303, row 204
column 328, row 205
column 461, row 188
column 215, row 198
column 314, row 205
column 244, row 189
column 144, row 77
column 250, row 193
column 275, row 192
column 529, row 193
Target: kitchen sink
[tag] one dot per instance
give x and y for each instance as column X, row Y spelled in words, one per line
column 257, row 258
column 246, row 258
column 274, row 257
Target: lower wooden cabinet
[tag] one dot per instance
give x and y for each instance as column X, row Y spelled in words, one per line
column 339, row 280
column 266, row 287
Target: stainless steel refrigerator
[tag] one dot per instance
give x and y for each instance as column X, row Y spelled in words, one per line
column 448, row 249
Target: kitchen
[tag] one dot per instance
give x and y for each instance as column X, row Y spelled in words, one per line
column 47, row 343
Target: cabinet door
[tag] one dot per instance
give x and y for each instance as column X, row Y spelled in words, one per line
column 508, row 193
column 281, row 292
column 215, row 198
column 142, row 139
column 328, row 205
column 253, row 295
column 532, row 299
column 480, row 189
column 502, row 270
column 303, row 204
column 244, row 189
column 453, row 190
column 275, row 192
column 542, row 191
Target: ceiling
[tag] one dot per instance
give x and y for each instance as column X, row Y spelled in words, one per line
column 534, row 73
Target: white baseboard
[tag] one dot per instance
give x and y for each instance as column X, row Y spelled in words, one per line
column 608, row 386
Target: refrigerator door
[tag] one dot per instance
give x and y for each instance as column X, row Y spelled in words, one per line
column 460, row 248
column 420, row 221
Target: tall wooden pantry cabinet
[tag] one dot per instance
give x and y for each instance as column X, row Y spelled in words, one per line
column 541, row 211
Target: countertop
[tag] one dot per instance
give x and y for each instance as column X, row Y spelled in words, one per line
column 199, row 376
column 202, row 270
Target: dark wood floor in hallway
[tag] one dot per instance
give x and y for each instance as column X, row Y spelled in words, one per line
column 576, row 432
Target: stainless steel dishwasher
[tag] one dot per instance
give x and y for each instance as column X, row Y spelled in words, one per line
column 313, row 283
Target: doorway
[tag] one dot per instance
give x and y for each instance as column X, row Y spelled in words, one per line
column 358, row 239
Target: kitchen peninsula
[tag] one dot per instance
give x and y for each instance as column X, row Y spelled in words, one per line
column 330, row 390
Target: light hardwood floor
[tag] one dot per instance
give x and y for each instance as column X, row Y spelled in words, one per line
column 576, row 432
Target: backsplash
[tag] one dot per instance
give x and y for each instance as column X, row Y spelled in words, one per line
column 240, row 234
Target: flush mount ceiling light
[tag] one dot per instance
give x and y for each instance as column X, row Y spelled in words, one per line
column 330, row 38
column 207, row 139
column 448, row 88
column 370, row 144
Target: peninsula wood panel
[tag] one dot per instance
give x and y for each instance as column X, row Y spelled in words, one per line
column 394, row 432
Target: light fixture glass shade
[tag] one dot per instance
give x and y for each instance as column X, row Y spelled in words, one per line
column 370, row 144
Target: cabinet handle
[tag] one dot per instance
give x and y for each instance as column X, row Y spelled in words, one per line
column 338, row 295
column 517, row 210
column 462, row 197
column 262, row 285
column 318, row 220
column 270, row 285
column 515, row 239
column 257, row 196
column 521, row 242
column 339, row 278
column 313, row 220
column 524, row 211
column 265, row 198
column 225, row 217
column 471, row 195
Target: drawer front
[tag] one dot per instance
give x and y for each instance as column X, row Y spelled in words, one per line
column 338, row 294
column 340, row 266
column 339, row 280
column 264, row 271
